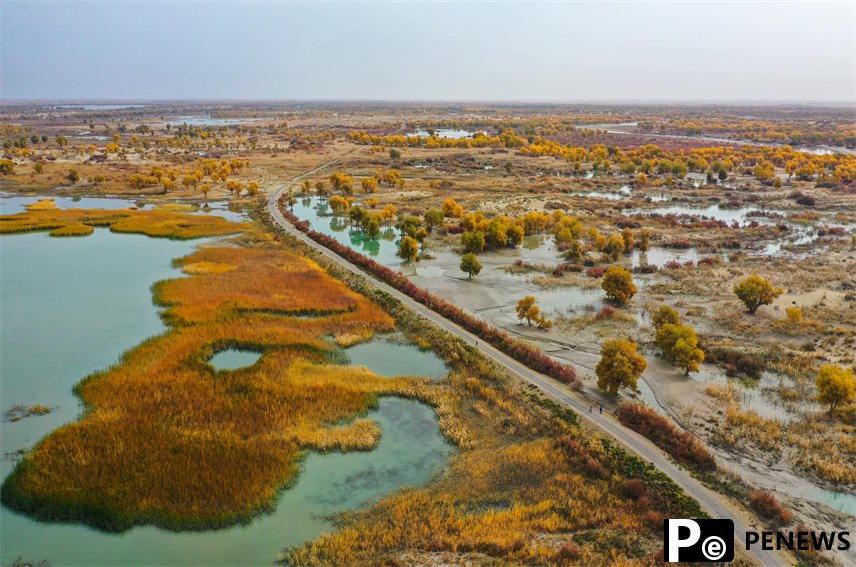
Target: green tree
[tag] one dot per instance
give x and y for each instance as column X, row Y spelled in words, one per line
column 372, row 226
column 73, row 176
column 470, row 264
column 433, row 217
column 618, row 284
column 835, row 386
column 620, row 365
column 409, row 226
column 408, row 249
column 394, row 153
column 755, row 291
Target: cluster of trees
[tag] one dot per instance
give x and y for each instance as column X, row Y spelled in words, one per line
column 677, row 342
column 339, row 204
column 189, row 139
column 413, row 234
column 140, row 181
column 236, row 187
column 569, row 236
column 481, row 234
column 524, row 352
column 716, row 162
column 369, row 223
column 341, row 182
column 759, row 130
column 344, row 184
column 218, row 171
column 505, row 139
column 22, row 142
column 452, row 209
column 831, row 129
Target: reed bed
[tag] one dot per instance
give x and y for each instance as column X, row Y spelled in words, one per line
column 159, row 222
column 169, row 441
column 73, row 229
column 527, row 502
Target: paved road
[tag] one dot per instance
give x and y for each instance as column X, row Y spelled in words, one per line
column 641, row 446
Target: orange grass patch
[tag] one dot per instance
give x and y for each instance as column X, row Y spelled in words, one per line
column 73, row 229
column 167, row 440
column 161, row 221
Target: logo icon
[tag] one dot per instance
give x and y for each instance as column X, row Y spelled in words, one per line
column 698, row 541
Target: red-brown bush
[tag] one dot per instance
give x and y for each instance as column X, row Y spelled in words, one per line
column 635, row 488
column 568, row 551
column 605, row 312
column 681, row 445
column 765, row 503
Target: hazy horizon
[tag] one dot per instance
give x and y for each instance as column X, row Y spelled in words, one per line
column 501, row 102
column 557, row 53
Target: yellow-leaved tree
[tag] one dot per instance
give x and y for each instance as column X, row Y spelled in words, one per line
column 620, row 365
column 755, row 291
column 835, row 386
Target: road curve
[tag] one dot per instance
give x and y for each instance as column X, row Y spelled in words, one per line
column 639, row 445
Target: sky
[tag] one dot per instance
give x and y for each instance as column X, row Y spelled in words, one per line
column 447, row 51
